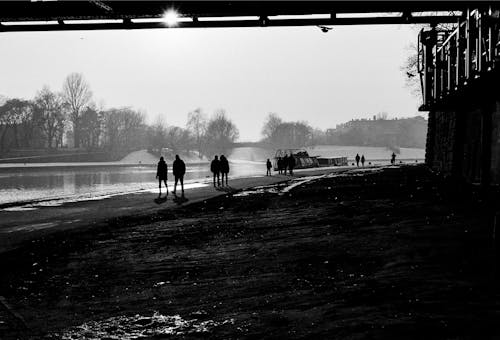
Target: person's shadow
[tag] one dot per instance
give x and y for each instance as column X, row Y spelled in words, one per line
column 226, row 188
column 160, row 200
column 180, row 199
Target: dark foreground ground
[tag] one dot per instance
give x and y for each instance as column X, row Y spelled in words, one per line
column 381, row 254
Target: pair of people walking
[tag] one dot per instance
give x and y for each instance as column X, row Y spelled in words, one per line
column 287, row 162
column 178, row 169
column 219, row 167
column 362, row 159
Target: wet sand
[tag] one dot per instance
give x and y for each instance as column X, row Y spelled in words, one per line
column 386, row 253
column 18, row 225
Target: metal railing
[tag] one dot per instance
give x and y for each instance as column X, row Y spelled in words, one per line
column 448, row 60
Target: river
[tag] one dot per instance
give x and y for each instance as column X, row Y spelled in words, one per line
column 70, row 182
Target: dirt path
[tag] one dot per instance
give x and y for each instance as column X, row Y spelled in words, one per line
column 377, row 254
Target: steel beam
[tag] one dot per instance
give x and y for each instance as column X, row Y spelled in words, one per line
column 198, row 23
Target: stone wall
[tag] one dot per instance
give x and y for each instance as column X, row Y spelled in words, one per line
column 458, row 143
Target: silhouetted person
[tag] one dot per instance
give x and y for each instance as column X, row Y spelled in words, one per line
column 357, row 159
column 393, row 158
column 224, row 168
column 161, row 174
column 291, row 164
column 279, row 163
column 215, row 168
column 285, row 163
column 363, row 160
column 179, row 169
column 268, row 167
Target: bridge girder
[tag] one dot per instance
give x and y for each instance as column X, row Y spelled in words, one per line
column 58, row 15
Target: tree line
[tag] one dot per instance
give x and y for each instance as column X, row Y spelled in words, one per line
column 379, row 131
column 70, row 118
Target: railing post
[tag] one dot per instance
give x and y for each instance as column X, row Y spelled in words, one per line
column 479, row 43
column 468, row 61
column 458, row 56
column 442, row 76
column 428, row 42
column 449, row 69
column 435, row 63
column 490, row 40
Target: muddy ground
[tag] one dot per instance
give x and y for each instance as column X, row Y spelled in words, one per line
column 384, row 254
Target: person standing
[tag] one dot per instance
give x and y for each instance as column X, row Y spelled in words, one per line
column 268, row 167
column 291, row 164
column 285, row 163
column 279, row 163
column 224, row 168
column 393, row 158
column 363, row 160
column 179, row 169
column 215, row 168
column 357, row 159
column 161, row 174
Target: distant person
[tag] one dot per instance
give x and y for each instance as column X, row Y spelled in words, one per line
column 161, row 174
column 393, row 158
column 357, row 159
column 179, row 169
column 268, row 167
column 362, row 160
column 285, row 163
column 224, row 168
column 279, row 163
column 291, row 164
column 215, row 168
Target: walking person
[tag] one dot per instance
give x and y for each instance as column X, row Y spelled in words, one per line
column 161, row 174
column 224, row 168
column 285, row 163
column 279, row 163
column 179, row 169
column 363, row 160
column 215, row 168
column 291, row 164
column 268, row 167
column 357, row 159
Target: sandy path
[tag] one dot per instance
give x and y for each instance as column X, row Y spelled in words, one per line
column 21, row 226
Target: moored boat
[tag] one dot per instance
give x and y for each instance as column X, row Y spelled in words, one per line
column 302, row 158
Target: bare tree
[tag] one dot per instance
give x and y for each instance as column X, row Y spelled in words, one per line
column 271, row 124
column 16, row 114
column 221, row 133
column 123, row 129
column 91, row 126
column 77, row 96
column 49, row 112
column 197, row 124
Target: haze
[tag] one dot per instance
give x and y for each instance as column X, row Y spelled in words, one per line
column 299, row 73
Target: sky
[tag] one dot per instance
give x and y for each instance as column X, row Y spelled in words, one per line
column 300, row 73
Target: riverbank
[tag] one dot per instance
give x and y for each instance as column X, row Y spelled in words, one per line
column 371, row 253
column 29, row 220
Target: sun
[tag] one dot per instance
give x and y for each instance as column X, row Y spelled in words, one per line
column 171, row 17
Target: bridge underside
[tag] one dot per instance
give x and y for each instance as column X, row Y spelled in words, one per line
column 460, row 72
column 94, row 14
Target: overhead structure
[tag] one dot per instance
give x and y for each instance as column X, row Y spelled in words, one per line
column 102, row 15
column 452, row 59
column 460, row 77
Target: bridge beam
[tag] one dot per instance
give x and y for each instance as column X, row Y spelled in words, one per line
column 197, row 22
